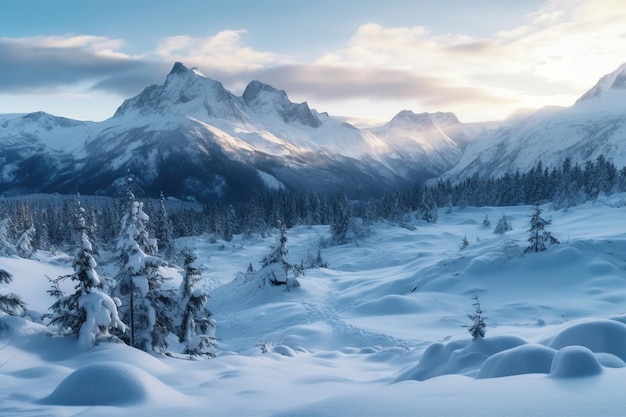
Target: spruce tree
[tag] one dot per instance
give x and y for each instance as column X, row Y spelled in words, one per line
column 275, row 269
column 428, row 206
column 341, row 219
column 10, row 303
column 486, row 221
column 164, row 231
column 538, row 236
column 197, row 329
column 478, row 327
column 6, row 247
column 503, row 226
column 88, row 311
column 150, row 307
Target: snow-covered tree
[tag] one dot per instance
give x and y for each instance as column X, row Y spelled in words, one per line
column 150, row 307
column 464, row 243
column 24, row 244
column 275, row 269
column 88, row 312
column 539, row 237
column 10, row 303
column 341, row 219
column 503, row 226
column 486, row 221
column 197, row 329
column 428, row 206
column 163, row 230
column 478, row 327
column 317, row 261
column 6, row 247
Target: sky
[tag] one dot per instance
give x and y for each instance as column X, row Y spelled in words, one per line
column 361, row 60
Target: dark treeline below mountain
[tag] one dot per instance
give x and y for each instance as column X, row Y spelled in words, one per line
column 44, row 221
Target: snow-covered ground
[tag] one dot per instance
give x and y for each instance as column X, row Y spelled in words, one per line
column 378, row 333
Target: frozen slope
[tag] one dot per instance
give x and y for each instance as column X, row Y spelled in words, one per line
column 380, row 332
column 193, row 139
column 595, row 125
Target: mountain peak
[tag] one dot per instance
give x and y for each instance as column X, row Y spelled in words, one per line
column 407, row 118
column 264, row 98
column 613, row 81
column 179, row 68
column 255, row 88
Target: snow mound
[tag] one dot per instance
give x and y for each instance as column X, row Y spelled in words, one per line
column 284, row 351
column 574, row 362
column 606, row 336
column 13, row 327
column 610, row 361
column 109, row 384
column 389, row 305
column 464, row 357
column 125, row 354
column 524, row 359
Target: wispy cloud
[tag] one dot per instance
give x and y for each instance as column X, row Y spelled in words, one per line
column 46, row 64
column 558, row 53
column 224, row 52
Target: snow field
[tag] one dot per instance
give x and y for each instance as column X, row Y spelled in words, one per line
column 378, row 333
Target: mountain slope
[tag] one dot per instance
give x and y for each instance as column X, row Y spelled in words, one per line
column 435, row 140
column 594, row 125
column 193, row 139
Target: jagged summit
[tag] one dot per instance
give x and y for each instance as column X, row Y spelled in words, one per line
column 178, row 68
column 188, row 93
column 613, row 81
column 408, row 117
column 255, row 88
column 264, row 98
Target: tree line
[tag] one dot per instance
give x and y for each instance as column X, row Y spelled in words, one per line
column 137, row 307
column 41, row 222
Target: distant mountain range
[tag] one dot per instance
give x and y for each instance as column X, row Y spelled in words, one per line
column 595, row 125
column 194, row 140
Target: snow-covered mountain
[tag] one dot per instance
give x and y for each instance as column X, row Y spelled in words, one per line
column 434, row 140
column 194, row 139
column 595, row 125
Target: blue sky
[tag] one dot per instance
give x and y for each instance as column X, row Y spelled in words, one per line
column 365, row 60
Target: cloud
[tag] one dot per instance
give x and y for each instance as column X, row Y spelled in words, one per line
column 327, row 82
column 223, row 52
column 552, row 58
column 45, row 64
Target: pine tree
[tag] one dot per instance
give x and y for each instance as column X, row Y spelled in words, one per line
column 88, row 312
column 428, row 206
column 24, row 244
column 275, row 269
column 539, row 237
column 486, row 221
column 6, row 247
column 164, row 231
column 478, row 327
column 151, row 307
column 503, row 226
column 10, row 303
column 197, row 329
column 341, row 219
column 464, row 243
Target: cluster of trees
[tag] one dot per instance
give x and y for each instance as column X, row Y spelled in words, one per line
column 28, row 223
column 138, row 307
column 135, row 306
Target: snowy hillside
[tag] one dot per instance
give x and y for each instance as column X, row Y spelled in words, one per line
column 380, row 332
column 227, row 144
column 595, row 125
column 434, row 140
